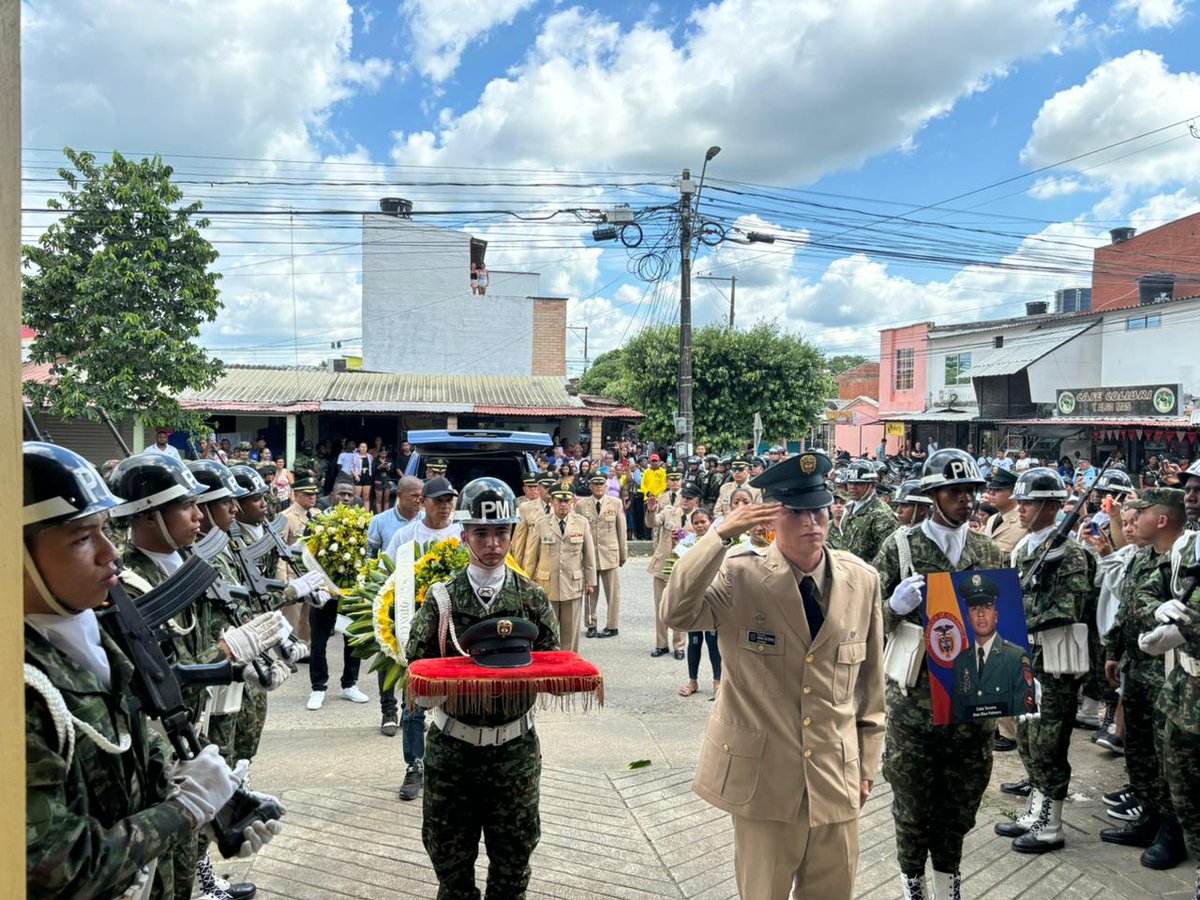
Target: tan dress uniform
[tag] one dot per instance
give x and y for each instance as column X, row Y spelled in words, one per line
column 608, row 533
column 529, row 511
column 726, row 492
column 560, row 556
column 1005, row 529
column 798, row 723
column 296, row 613
column 663, row 522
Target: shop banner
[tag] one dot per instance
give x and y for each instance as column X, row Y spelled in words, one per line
column 1134, row 400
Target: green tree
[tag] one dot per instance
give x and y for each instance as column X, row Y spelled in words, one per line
column 844, row 362
column 117, row 289
column 737, row 373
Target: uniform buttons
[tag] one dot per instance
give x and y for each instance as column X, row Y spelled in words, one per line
column 761, row 648
column 807, row 752
column 808, row 659
column 807, row 690
column 725, row 747
column 807, row 721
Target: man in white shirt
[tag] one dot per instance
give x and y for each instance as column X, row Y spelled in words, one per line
column 160, row 444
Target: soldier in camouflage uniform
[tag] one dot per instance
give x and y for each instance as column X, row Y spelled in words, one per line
column 868, row 520
column 1160, row 521
column 1061, row 596
column 98, row 819
column 1178, row 707
column 486, row 777
column 938, row 773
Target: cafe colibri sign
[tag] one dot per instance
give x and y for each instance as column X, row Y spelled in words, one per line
column 1135, row 400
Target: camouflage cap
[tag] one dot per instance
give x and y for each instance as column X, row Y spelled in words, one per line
column 1159, row 496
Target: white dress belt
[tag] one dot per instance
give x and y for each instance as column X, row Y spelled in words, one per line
column 481, row 735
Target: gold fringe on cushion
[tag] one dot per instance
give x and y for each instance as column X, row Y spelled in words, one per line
column 508, row 697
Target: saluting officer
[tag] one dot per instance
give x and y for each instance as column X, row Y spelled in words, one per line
column 938, row 773
column 674, row 489
column 739, row 473
column 793, row 744
column 606, row 516
column 561, row 557
column 867, row 521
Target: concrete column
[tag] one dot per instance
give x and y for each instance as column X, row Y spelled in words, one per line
column 12, row 711
column 290, row 446
column 139, row 435
column 452, row 422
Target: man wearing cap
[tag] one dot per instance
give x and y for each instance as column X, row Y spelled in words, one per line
column 792, row 747
column 774, row 455
column 436, row 467
column 1061, row 597
column 297, row 515
column 560, row 556
column 606, row 517
column 938, row 773
column 654, row 479
column 670, row 494
column 531, row 510
column 990, row 672
column 1004, row 527
column 867, row 521
column 1159, row 521
column 483, row 768
column 665, row 519
column 739, row 470
column 161, row 444
column 712, row 480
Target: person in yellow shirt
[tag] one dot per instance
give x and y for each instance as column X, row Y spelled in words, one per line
column 654, row 479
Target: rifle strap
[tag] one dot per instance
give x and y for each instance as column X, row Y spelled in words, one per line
column 65, row 723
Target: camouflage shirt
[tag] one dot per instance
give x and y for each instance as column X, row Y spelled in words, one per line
column 1065, row 592
column 979, row 552
column 863, row 532
column 519, row 597
column 92, row 823
column 1147, row 584
column 1179, row 699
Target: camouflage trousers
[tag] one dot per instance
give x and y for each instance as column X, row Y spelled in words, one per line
column 938, row 775
column 237, row 735
column 1181, row 766
column 491, row 791
column 1045, row 743
column 1142, row 759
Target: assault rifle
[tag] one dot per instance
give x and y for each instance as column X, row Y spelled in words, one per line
column 157, row 686
column 1059, row 536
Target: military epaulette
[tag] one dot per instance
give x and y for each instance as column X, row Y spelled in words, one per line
column 132, row 579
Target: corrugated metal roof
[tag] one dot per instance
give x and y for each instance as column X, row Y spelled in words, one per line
column 589, row 412
column 930, row 415
column 472, row 390
column 1026, row 349
column 263, row 388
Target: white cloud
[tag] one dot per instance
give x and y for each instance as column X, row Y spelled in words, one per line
column 791, row 91
column 1120, row 99
column 443, row 29
column 1154, row 13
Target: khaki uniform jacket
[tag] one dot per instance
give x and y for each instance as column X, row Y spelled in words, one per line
column 529, row 511
column 608, row 530
column 297, row 523
column 726, row 492
column 663, row 522
column 1005, row 529
column 564, row 566
column 794, row 715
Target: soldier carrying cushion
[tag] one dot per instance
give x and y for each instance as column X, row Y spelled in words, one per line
column 938, row 773
column 482, row 769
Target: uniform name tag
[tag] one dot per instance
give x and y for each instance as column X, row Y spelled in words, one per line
column 760, row 637
column 548, row 539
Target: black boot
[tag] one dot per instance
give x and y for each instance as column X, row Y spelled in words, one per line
column 1138, row 833
column 1168, row 850
column 1016, row 788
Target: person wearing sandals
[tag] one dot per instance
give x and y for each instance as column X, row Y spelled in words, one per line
column 700, row 521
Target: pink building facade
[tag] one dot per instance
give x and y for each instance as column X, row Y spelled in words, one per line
column 861, row 434
column 902, row 373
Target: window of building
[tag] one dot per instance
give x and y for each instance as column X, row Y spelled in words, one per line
column 998, row 341
column 958, row 368
column 903, row 380
column 1136, row 323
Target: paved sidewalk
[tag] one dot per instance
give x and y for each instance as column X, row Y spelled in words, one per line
column 608, row 832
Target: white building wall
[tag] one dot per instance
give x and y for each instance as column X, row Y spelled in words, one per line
column 418, row 312
column 978, row 343
column 1163, row 354
column 1077, row 362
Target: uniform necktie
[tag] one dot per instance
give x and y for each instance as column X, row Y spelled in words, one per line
column 547, row 508
column 981, row 657
column 812, row 612
column 562, row 527
column 672, row 498
column 597, row 507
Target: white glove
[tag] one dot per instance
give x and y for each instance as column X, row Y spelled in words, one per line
column 907, row 595
column 277, row 674
column 296, row 650
column 258, row 835
column 1161, row 640
column 1173, row 611
column 310, row 587
column 1037, row 699
column 203, row 785
column 261, row 633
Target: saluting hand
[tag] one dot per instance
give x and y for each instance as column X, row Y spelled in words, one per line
column 740, row 520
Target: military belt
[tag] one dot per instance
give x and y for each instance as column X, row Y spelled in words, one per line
column 482, row 736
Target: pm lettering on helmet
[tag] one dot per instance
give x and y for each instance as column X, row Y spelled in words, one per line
column 956, row 469
column 494, row 509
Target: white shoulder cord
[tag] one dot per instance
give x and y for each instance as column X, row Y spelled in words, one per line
column 904, row 551
column 445, row 625
column 65, row 723
column 1020, row 545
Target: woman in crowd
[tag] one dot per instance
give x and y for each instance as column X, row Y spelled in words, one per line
column 364, row 467
column 383, row 478
column 282, row 482
column 700, row 521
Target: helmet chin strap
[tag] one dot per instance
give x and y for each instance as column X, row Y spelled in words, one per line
column 43, row 589
column 939, row 515
column 162, row 529
column 478, row 564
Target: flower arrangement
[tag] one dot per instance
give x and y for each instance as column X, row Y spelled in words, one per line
column 439, row 563
column 337, row 541
column 371, row 608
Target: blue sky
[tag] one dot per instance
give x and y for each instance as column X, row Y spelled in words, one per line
column 879, row 109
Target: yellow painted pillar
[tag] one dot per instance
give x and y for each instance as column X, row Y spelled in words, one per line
column 12, row 710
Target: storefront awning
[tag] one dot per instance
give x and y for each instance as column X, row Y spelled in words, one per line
column 930, row 415
column 1177, row 422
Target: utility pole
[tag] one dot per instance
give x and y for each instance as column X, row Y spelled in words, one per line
column 687, row 189
column 584, row 329
column 732, row 279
